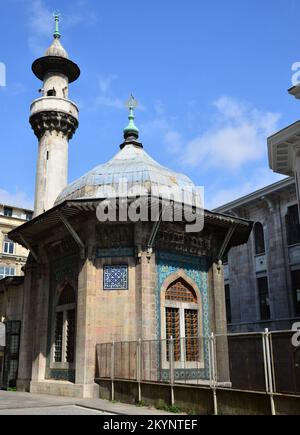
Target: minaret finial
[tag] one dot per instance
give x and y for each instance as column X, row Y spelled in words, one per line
column 57, row 33
column 131, row 129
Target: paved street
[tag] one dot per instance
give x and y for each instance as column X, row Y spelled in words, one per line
column 55, row 410
column 12, row 403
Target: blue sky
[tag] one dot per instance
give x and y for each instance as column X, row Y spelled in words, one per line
column 211, row 78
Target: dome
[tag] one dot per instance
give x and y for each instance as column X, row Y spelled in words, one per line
column 135, row 167
column 56, row 49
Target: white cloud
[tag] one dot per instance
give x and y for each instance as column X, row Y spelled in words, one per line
column 107, row 101
column 237, row 137
column 261, row 177
column 163, row 126
column 105, row 82
column 18, row 199
column 173, row 140
column 230, row 108
column 106, row 97
column 159, row 107
column 40, row 24
column 40, row 18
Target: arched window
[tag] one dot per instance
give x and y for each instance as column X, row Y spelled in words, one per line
column 182, row 324
column 64, row 337
column 259, row 238
column 293, row 225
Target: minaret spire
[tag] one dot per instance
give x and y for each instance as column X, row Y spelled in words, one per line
column 57, row 33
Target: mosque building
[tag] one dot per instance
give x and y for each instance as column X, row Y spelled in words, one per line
column 89, row 280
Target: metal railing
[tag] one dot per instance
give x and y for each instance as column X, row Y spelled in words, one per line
column 255, row 362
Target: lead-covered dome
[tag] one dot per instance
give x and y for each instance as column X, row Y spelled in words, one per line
column 131, row 173
column 131, row 167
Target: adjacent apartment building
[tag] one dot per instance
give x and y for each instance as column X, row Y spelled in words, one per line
column 12, row 256
column 262, row 278
column 12, row 259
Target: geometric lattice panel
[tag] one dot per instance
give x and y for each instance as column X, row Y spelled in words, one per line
column 115, row 278
column 182, row 292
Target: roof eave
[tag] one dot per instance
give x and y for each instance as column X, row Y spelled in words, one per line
column 244, row 200
column 77, row 206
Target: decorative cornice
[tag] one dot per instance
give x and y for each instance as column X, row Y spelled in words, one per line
column 257, row 195
column 48, row 121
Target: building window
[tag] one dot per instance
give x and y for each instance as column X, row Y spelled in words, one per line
column 8, row 211
column 296, row 290
column 264, row 298
column 292, row 225
column 8, row 246
column 228, row 303
column 182, row 321
column 64, row 333
column 259, row 238
column 115, row 278
column 7, row 271
column 28, row 215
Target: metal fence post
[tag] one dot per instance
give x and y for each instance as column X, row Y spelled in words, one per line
column 172, row 375
column 112, row 371
column 265, row 361
column 139, row 367
column 213, row 379
column 273, row 363
column 269, row 370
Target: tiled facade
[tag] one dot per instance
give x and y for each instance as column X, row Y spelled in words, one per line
column 196, row 269
column 247, row 271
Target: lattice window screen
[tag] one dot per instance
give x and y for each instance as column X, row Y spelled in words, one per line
column 191, row 333
column 70, row 339
column 182, row 292
column 173, row 330
column 67, row 296
column 58, row 337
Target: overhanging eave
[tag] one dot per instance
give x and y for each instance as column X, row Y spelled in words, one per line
column 281, row 147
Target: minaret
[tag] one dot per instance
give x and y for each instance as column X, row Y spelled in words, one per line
column 54, row 119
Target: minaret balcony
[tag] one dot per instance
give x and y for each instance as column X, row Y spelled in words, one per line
column 50, row 114
column 54, row 104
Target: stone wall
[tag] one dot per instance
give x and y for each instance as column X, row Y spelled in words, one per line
column 199, row 400
column 244, row 267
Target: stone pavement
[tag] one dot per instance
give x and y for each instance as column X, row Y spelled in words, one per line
column 12, row 403
column 53, row 410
